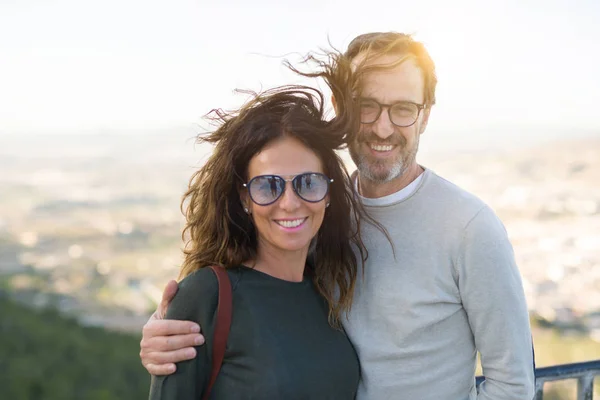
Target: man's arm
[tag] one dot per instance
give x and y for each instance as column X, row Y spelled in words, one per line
column 166, row 342
column 492, row 294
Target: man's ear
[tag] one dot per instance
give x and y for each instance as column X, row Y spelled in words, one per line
column 334, row 104
column 426, row 112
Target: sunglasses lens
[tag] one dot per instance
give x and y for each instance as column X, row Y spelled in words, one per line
column 266, row 189
column 311, row 187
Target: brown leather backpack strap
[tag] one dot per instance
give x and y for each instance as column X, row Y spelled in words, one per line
column 221, row 333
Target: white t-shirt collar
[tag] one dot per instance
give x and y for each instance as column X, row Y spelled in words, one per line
column 391, row 198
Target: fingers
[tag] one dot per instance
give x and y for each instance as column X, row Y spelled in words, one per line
column 163, row 358
column 168, row 327
column 170, row 343
column 159, row 353
column 164, row 369
column 163, row 362
column 167, row 296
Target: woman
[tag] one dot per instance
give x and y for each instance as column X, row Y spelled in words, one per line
column 273, row 191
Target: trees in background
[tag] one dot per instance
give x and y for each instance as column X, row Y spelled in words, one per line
column 44, row 355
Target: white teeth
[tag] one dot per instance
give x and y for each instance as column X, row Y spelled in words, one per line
column 291, row 223
column 386, row 147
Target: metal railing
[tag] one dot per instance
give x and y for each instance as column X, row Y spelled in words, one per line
column 584, row 372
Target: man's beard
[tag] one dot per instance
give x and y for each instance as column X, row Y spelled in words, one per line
column 376, row 170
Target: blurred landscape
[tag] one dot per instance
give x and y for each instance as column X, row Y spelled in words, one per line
column 90, row 225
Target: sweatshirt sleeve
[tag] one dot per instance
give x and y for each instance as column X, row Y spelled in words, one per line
column 492, row 294
column 196, row 300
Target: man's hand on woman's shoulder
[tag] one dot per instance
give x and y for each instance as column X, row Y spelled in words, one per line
column 166, row 342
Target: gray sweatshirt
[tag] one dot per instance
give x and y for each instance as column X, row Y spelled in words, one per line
column 452, row 289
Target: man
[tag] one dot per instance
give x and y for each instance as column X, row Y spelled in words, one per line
column 451, row 286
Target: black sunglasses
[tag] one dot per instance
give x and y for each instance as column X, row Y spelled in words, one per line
column 402, row 114
column 267, row 189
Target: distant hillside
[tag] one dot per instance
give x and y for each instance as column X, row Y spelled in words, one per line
column 45, row 356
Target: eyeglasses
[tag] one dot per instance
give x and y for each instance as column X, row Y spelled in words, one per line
column 402, row 113
column 267, row 189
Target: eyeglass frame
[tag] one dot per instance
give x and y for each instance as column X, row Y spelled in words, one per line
column 290, row 179
column 420, row 107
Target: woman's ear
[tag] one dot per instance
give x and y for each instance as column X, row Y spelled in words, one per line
column 245, row 200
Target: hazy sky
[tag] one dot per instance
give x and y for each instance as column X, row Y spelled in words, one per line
column 87, row 65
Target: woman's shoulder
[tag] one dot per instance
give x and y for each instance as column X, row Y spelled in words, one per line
column 196, row 293
column 203, row 279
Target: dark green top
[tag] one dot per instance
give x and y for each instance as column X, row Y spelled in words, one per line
column 280, row 345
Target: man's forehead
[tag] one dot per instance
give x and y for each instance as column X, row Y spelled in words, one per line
column 389, row 83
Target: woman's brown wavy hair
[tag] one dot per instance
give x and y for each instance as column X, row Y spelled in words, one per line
column 217, row 229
